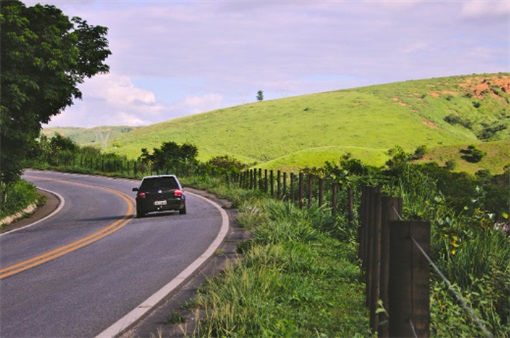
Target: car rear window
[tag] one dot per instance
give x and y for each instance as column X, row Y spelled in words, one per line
column 159, row 183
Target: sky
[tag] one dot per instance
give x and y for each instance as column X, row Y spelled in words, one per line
column 175, row 58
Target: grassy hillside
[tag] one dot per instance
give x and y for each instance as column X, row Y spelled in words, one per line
column 442, row 113
column 97, row 136
column 496, row 158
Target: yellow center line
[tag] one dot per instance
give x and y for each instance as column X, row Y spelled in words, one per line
column 53, row 254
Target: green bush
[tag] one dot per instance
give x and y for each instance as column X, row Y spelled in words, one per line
column 19, row 196
column 472, row 154
column 456, row 119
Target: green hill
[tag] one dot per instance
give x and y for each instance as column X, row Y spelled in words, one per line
column 447, row 113
column 97, row 136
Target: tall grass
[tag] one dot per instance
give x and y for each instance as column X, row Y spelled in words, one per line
column 19, row 196
column 293, row 281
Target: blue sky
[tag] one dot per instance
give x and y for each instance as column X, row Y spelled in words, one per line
column 176, row 58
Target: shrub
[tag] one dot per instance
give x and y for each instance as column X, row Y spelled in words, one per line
column 419, row 152
column 19, row 196
column 450, row 164
column 456, row 119
column 452, row 119
column 472, row 154
column 491, row 131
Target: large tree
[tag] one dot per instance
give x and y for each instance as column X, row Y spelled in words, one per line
column 45, row 55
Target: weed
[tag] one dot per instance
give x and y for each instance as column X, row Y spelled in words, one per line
column 294, row 280
column 175, row 318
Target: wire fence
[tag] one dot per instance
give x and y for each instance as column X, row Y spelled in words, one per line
column 396, row 260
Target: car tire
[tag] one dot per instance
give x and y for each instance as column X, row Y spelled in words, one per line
column 139, row 213
column 182, row 211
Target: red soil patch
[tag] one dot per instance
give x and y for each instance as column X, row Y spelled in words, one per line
column 429, row 124
column 396, row 99
column 482, row 86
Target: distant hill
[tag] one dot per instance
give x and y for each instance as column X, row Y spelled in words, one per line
column 447, row 113
column 97, row 136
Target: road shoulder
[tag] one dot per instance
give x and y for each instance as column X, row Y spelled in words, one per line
column 51, row 204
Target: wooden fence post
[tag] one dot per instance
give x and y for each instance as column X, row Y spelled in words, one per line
column 350, row 206
column 300, row 200
column 310, row 190
column 409, row 279
column 374, row 257
column 292, row 187
column 284, row 192
column 278, row 184
column 266, row 185
column 271, row 180
column 364, row 224
column 391, row 211
column 261, row 182
column 334, row 199
column 321, row 192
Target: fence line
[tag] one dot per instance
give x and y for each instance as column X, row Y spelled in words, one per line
column 303, row 189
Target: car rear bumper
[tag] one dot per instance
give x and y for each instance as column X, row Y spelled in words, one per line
column 149, row 206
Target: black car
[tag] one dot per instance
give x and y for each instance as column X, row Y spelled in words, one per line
column 160, row 193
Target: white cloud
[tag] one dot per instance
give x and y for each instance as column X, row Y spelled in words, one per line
column 198, row 104
column 395, row 4
column 486, row 9
column 112, row 99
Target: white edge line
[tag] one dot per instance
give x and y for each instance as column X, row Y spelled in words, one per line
column 57, row 210
column 133, row 316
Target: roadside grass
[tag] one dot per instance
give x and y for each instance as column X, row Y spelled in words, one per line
column 20, row 195
column 294, row 279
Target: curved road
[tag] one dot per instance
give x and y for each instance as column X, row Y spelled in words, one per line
column 91, row 268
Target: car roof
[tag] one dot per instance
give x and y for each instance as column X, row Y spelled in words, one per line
column 158, row 176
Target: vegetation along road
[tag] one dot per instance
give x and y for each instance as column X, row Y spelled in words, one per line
column 80, row 271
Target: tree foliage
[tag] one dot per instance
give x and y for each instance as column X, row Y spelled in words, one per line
column 226, row 164
column 260, row 96
column 45, row 55
column 170, row 155
column 472, row 154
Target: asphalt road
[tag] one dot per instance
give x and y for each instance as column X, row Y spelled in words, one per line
column 92, row 263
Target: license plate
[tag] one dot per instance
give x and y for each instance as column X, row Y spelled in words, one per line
column 158, row 203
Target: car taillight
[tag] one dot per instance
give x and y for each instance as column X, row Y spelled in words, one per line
column 178, row 192
column 141, row 195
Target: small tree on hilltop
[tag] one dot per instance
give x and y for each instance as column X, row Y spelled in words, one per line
column 260, row 95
